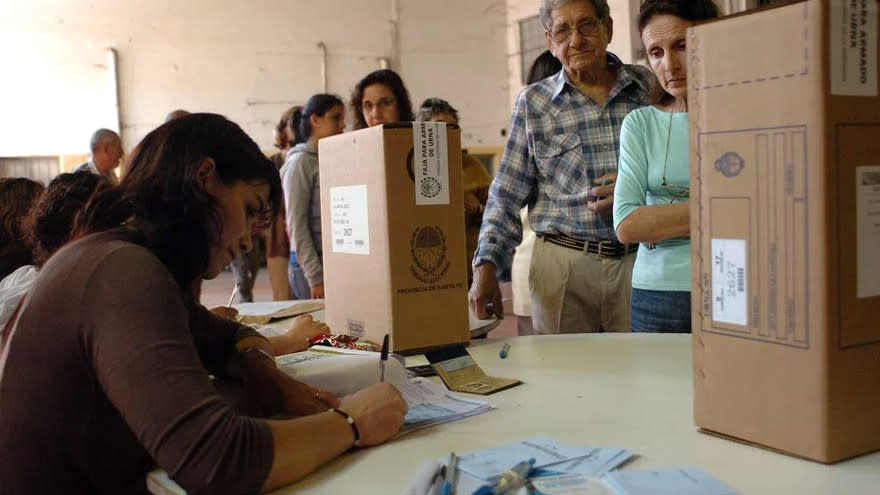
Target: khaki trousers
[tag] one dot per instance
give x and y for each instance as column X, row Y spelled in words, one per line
column 576, row 292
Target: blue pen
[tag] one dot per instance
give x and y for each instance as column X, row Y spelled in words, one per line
column 451, row 477
column 504, row 350
column 513, row 478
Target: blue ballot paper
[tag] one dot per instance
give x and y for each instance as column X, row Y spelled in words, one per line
column 548, row 454
column 681, row 481
column 598, row 462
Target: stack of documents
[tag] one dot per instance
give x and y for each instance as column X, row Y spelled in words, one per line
column 552, row 460
column 339, row 371
column 571, row 470
column 430, row 403
column 345, row 371
column 548, row 454
column 686, row 481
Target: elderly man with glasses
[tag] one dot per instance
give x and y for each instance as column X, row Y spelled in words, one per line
column 561, row 161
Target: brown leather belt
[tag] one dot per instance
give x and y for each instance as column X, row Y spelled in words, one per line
column 606, row 248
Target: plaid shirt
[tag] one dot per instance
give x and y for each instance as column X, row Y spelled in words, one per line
column 560, row 141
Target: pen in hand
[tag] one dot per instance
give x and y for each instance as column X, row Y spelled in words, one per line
column 232, row 297
column 383, row 358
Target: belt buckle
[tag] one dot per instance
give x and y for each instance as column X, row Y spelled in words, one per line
column 585, row 250
column 606, row 249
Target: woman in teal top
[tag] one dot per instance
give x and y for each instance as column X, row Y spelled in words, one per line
column 651, row 196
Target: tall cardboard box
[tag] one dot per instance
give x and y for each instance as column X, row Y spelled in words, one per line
column 392, row 216
column 785, row 220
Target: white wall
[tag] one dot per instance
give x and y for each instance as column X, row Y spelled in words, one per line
column 246, row 60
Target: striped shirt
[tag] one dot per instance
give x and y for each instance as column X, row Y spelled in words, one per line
column 560, row 141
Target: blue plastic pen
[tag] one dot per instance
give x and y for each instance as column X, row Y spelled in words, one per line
column 504, row 350
column 508, row 480
column 451, row 479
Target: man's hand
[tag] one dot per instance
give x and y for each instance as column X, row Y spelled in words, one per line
column 485, row 291
column 603, row 194
column 317, row 291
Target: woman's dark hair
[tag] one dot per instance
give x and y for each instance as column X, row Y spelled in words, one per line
column 281, row 126
column 433, row 106
column 294, row 122
column 318, row 104
column 17, row 194
column 163, row 199
column 689, row 10
column 544, row 66
column 49, row 222
column 394, row 82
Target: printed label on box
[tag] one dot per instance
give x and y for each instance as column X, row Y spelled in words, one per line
column 853, row 38
column 430, row 163
column 868, row 233
column 355, row 328
column 348, row 219
column 729, row 301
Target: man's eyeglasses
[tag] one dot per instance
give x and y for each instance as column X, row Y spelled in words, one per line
column 587, row 27
column 386, row 102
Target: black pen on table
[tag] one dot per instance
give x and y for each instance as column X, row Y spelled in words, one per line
column 383, row 358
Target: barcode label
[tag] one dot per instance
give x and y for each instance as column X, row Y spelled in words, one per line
column 350, row 228
column 729, row 281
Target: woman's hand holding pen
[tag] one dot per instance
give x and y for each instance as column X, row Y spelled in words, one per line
column 602, row 193
column 378, row 412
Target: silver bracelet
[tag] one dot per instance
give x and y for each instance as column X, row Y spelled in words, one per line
column 354, row 428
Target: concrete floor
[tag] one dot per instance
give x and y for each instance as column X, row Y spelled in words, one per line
column 216, row 293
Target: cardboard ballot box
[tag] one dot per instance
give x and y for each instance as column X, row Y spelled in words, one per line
column 785, row 221
column 392, row 214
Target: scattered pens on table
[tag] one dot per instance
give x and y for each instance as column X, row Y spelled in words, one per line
column 511, row 479
column 437, row 480
column 504, row 350
column 383, row 358
column 451, row 476
column 232, row 297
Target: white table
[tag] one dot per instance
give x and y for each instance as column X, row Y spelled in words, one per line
column 614, row 390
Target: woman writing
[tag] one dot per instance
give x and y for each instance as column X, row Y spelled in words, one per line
column 323, row 116
column 651, row 197
column 109, row 362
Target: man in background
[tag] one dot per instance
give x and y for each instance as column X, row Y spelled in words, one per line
column 106, row 148
column 561, row 162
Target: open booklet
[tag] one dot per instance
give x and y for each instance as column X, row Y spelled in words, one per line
column 344, row 371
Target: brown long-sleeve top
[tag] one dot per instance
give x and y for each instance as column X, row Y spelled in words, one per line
column 108, row 375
